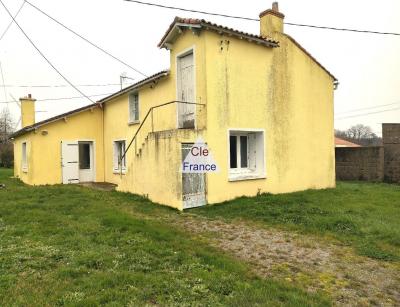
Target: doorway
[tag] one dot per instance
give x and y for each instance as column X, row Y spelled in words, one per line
column 86, row 173
column 77, row 160
column 193, row 184
column 185, row 90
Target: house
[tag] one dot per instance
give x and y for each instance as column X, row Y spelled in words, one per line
column 343, row 143
column 261, row 103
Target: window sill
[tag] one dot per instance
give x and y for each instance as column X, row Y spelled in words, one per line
column 24, row 169
column 245, row 176
column 118, row 172
column 134, row 122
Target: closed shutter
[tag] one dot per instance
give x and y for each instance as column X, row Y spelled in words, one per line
column 252, row 140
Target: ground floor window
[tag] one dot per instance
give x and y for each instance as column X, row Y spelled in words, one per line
column 119, row 150
column 246, row 154
column 24, row 157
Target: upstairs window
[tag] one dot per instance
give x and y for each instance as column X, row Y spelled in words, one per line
column 134, row 108
column 246, row 155
column 24, row 157
column 119, row 150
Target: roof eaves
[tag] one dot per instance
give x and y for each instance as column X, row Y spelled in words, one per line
column 309, row 55
column 53, row 119
column 201, row 23
column 137, row 85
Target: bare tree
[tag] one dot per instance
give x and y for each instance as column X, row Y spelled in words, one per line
column 359, row 134
column 6, row 147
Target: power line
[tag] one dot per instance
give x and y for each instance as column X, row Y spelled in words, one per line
column 43, row 56
column 368, row 108
column 12, row 21
column 60, row 85
column 365, row 114
column 2, row 78
column 62, row 98
column 256, row 19
column 86, row 40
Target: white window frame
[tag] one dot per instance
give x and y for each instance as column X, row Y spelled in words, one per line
column 116, row 168
column 132, row 109
column 249, row 172
column 24, row 156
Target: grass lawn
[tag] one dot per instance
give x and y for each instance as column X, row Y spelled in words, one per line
column 363, row 215
column 69, row 245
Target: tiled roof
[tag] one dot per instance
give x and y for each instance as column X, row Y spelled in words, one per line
column 201, row 23
column 343, row 143
column 137, row 85
column 152, row 78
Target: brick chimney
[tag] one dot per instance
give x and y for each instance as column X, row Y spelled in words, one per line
column 271, row 21
column 27, row 111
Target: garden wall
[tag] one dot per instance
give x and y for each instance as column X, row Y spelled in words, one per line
column 377, row 163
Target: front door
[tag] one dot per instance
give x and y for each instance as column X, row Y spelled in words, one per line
column 70, row 162
column 193, row 185
column 86, row 173
column 186, row 112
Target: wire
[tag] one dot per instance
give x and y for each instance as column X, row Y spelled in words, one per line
column 255, row 19
column 86, row 40
column 61, row 85
column 365, row 114
column 43, row 56
column 368, row 108
column 2, row 78
column 63, row 98
column 190, row 10
column 12, row 21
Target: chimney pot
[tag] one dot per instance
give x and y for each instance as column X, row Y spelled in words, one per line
column 30, row 96
column 275, row 6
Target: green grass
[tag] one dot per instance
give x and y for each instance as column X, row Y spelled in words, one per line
column 363, row 215
column 71, row 246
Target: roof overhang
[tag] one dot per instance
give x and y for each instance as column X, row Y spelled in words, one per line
column 153, row 79
column 197, row 25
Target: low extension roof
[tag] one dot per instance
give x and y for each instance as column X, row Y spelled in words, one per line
column 178, row 23
column 153, row 78
column 343, row 143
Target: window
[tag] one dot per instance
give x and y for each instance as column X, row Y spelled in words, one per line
column 24, row 161
column 246, row 155
column 84, row 156
column 134, row 108
column 119, row 150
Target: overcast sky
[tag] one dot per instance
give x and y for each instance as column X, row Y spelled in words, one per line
column 366, row 65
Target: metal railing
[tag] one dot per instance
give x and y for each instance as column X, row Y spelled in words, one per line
column 150, row 112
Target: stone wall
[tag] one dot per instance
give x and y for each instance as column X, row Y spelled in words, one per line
column 391, row 144
column 360, row 163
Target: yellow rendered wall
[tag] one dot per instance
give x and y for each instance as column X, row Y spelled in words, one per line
column 282, row 91
column 44, row 151
column 155, row 173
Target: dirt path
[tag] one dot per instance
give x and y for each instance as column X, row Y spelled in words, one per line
column 308, row 262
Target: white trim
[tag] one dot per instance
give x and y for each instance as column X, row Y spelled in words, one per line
column 24, row 166
column 124, row 170
column 189, row 50
column 130, row 120
column 246, row 175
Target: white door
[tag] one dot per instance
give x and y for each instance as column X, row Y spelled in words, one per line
column 86, row 165
column 70, row 162
column 193, row 185
column 186, row 112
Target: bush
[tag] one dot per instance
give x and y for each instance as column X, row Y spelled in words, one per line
column 6, row 155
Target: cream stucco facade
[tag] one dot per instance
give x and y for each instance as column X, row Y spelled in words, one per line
column 264, row 94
